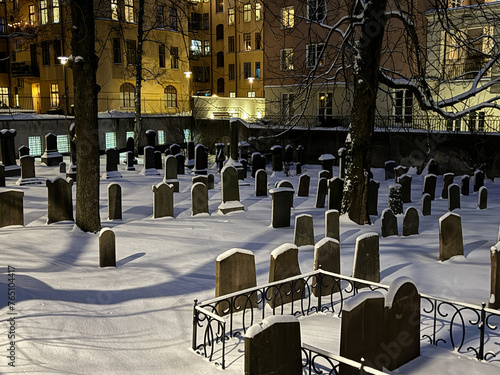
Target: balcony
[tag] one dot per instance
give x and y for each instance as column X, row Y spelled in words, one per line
column 465, row 68
column 24, row 69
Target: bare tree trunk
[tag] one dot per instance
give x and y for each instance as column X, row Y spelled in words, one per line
column 359, row 143
column 84, row 65
column 138, row 78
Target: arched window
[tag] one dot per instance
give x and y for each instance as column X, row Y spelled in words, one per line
column 220, row 59
column 220, row 85
column 170, row 97
column 127, row 95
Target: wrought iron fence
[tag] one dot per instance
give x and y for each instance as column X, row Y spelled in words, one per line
column 458, row 326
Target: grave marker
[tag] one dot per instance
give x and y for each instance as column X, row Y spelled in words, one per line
column 163, row 200
column 410, row 222
column 450, row 236
column 304, row 230
column 107, row 248
column 114, row 201
column 60, row 200
column 366, row 258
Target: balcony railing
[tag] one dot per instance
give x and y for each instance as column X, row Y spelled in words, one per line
column 24, row 69
column 465, row 68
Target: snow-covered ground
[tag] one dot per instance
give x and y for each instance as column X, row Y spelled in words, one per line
column 76, row 318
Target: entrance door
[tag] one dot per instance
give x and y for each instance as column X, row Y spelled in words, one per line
column 35, row 93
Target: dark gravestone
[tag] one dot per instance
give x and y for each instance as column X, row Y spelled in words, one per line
column 482, row 198
column 303, row 190
column 8, row 152
column 112, row 161
column 366, row 264
column 151, row 138
column 277, row 152
column 190, row 155
column 199, row 198
column 23, row 150
column 175, row 149
column 11, row 208
column 230, row 191
column 157, row 156
column 430, row 185
column 288, row 154
column 494, row 302
column 326, row 257
column 372, row 200
column 304, row 230
column 60, row 200
column 285, row 184
column 130, row 144
column 447, row 181
column 478, row 179
column 410, row 222
column 399, row 171
column 426, row 204
column 170, row 174
column 389, row 223
column 395, row 199
column 200, row 178
column 342, row 154
column 200, row 160
column 450, row 236
column 453, row 197
column 321, row 193
column 71, row 170
column 335, row 193
column 324, row 174
column 114, row 201
column 433, row 167
column 51, row 156
column 332, row 225
column 281, row 208
column 28, row 171
column 149, row 162
column 389, row 169
column 220, row 158
column 62, row 167
column 326, row 161
column 107, row 248
column 465, row 185
column 261, row 183
column 405, row 182
column 163, row 200
column 2, row 175
column 256, row 163
column 210, row 181
column 180, row 163
column 130, row 161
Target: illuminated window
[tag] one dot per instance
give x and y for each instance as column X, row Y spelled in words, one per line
column 206, row 47
column 247, row 13
column 31, row 14
column 247, row 42
column 170, row 93
column 257, row 69
column 35, row 145
column 63, row 143
column 114, row 10
column 287, row 17
column 232, row 94
column 258, row 11
column 4, row 96
column 195, row 49
column 129, row 134
column 54, row 95
column 110, row 138
column 44, row 15
column 287, row 59
column 325, row 105
column 127, row 95
column 161, row 137
column 129, row 10
column 55, row 11
column 230, row 16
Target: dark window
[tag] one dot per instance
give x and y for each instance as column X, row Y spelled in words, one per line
column 33, row 55
column 220, row 59
column 117, row 51
column 173, row 18
column 316, row 10
column 205, row 21
column 231, row 72
column 220, row 85
column 219, row 31
column 257, row 69
column 195, row 21
column 160, row 16
column 45, row 53
column 230, row 43
column 174, row 57
column 207, row 74
column 219, row 6
column 161, row 56
column 57, row 51
column 247, row 70
column 197, row 73
column 131, row 52
column 257, row 41
column 3, row 62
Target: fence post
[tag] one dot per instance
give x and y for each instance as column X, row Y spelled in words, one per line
column 362, row 367
column 481, row 327
column 319, row 282
column 195, row 324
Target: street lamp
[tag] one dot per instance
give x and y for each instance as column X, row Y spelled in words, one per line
column 250, row 79
column 188, row 76
column 63, row 60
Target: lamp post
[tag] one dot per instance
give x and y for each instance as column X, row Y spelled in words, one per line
column 250, row 79
column 188, row 77
column 64, row 60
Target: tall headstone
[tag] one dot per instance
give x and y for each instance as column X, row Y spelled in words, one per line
column 285, row 264
column 482, row 198
column 285, row 184
column 447, row 181
column 130, row 144
column 51, row 156
column 210, row 181
column 151, row 138
column 114, row 201
column 326, row 161
column 11, row 208
column 389, row 223
column 170, row 174
column 289, row 154
column 8, row 152
column 399, row 171
column 321, row 193
column 28, row 171
column 326, row 257
column 157, row 157
column 478, row 179
column 494, row 302
column 335, row 193
column 332, row 224
column 389, row 169
column 372, row 200
column 112, row 161
column 450, row 236
column 395, row 199
column 281, row 208
column 303, row 190
column 130, row 161
column 433, row 167
column 426, row 204
column 200, row 178
column 277, row 152
column 190, row 155
column 199, row 198
column 273, row 347
column 405, row 182
column 230, row 191
column 200, row 160
column 256, row 163
column 366, row 258
column 60, row 200
column 453, row 197
column 430, row 185
column 2, row 175
column 465, row 185
column 304, row 230
column 324, row 174
column 107, row 248
column 23, row 150
column 342, row 152
column 163, row 200
column 261, row 183
column 149, row 162
column 220, row 158
column 410, row 222
column 180, row 163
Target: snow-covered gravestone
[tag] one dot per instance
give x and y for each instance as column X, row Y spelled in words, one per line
column 405, row 182
column 447, row 181
column 326, row 257
column 277, row 158
column 321, row 192
column 199, row 198
column 273, row 347
column 149, row 162
column 367, row 258
column 303, row 190
column 389, row 166
column 230, row 191
column 112, row 161
column 284, row 264
column 410, row 222
column 304, row 230
column 482, row 198
column 28, row 171
column 114, row 201
column 465, row 185
column 107, row 248
column 170, row 175
column 478, row 179
column 335, row 193
column 494, row 302
column 261, row 183
column 399, row 171
column 200, row 178
column 326, row 161
column 11, row 208
column 395, row 199
column 372, row 199
column 60, row 200
column 200, row 159
column 341, row 153
column 281, row 208
column 285, row 184
column 235, row 271
column 450, row 236
column 389, row 223
column 324, row 174
column 430, row 185
column 190, row 155
column 256, row 163
column 163, row 200
column 332, row 226
column 51, row 156
column 426, row 204
column 453, row 197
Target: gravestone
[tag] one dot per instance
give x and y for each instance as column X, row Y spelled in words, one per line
column 395, row 199
column 366, row 258
column 284, row 264
column 494, row 302
column 157, row 157
column 303, row 190
column 430, row 185
column 62, row 167
column 321, row 193
column 478, row 179
column 114, row 201
column 151, row 138
column 447, row 181
column 107, row 248
column 405, row 182
column 199, row 198
column 326, row 161
column 281, row 208
column 230, row 191
column 324, row 174
column 450, row 236
column 8, row 153
column 60, row 200
column 130, row 144
column 273, row 347
column 220, row 158
column 465, row 185
column 399, row 171
column 235, row 271
column 149, row 162
column 342, row 152
column 200, row 160
column 410, row 222
column 11, row 208
column 389, row 166
column 326, row 257
column 180, row 163
column 288, row 154
column 130, row 161
column 285, row 184
column 175, row 149
column 277, row 160
column 453, row 197
column 170, row 174
column 482, row 198
column 28, row 171
column 426, row 204
column 433, row 167
column 335, row 193
column 389, row 223
column 163, row 200
column 210, row 181
column 256, row 163
column 332, row 225
column 112, row 161
column 51, row 156
column 200, row 178
column 372, row 199
column 2, row 175
column 261, row 183
column 304, row 230
column 23, row 150
column 190, row 155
